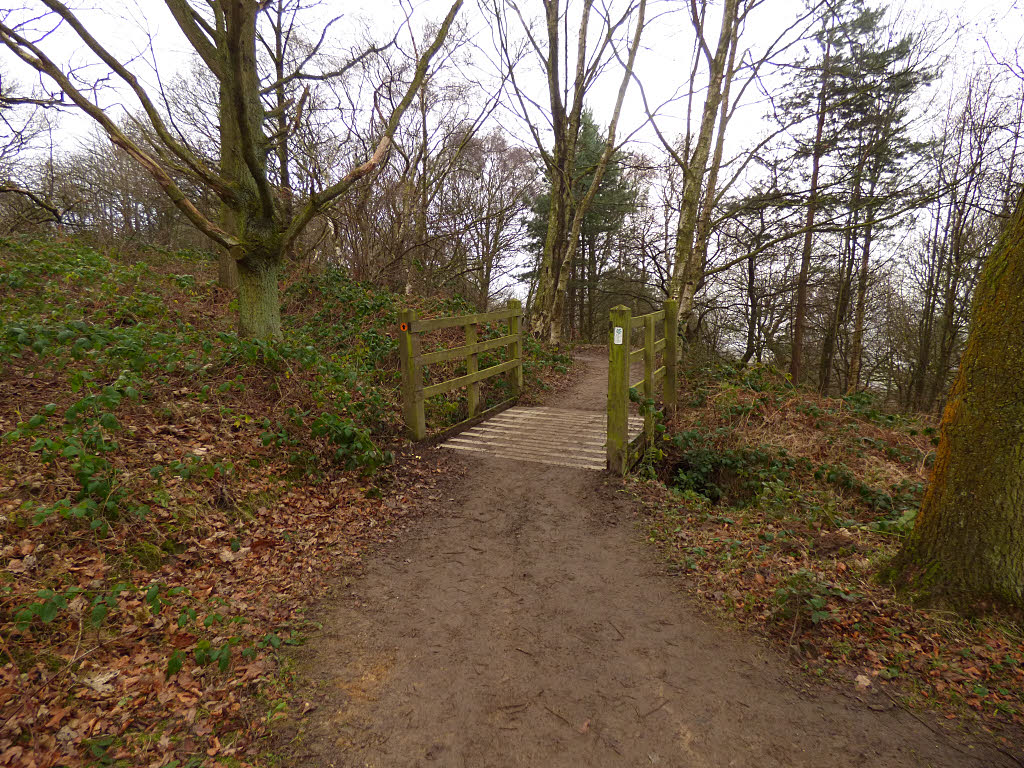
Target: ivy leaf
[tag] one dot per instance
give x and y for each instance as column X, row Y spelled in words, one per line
column 175, row 663
column 224, row 660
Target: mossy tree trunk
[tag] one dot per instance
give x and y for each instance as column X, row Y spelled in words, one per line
column 252, row 214
column 259, row 306
column 967, row 549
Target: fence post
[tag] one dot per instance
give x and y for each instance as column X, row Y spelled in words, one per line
column 472, row 366
column 412, row 375
column 671, row 389
column 515, row 328
column 649, row 378
column 618, row 390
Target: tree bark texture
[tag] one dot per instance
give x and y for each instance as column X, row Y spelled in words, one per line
column 247, row 214
column 857, row 345
column 968, row 545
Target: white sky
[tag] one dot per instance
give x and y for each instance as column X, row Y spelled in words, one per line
column 662, row 65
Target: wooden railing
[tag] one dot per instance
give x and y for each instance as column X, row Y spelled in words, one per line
column 413, row 360
column 622, row 452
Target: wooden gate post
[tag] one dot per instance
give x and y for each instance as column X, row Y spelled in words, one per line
column 671, row 390
column 649, row 324
column 515, row 328
column 412, row 375
column 472, row 366
column 618, row 390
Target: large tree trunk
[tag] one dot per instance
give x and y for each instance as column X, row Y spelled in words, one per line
column 232, row 166
column 245, row 217
column 259, row 307
column 227, row 267
column 968, row 545
column 688, row 269
column 547, row 317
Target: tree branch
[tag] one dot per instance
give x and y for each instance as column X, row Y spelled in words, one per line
column 35, row 58
column 194, row 163
column 198, row 33
column 320, row 200
column 247, row 132
column 39, row 202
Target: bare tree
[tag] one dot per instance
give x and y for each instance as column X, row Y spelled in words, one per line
column 254, row 226
column 564, row 115
column 24, row 126
column 486, row 201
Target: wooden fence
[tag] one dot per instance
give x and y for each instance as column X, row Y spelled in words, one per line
column 413, row 361
column 622, row 452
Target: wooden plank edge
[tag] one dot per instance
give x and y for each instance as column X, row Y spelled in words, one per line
column 657, row 316
column 439, row 323
column 462, row 381
column 561, row 449
column 507, row 455
column 461, row 353
column 596, row 437
column 469, row 423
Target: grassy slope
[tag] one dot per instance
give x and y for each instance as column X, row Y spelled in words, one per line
column 780, row 507
column 172, row 496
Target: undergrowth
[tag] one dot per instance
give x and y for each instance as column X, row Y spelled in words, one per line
column 171, row 495
column 780, row 507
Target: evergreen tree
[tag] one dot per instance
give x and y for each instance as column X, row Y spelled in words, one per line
column 856, row 95
column 616, row 198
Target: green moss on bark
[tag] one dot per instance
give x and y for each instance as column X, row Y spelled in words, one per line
column 967, row 549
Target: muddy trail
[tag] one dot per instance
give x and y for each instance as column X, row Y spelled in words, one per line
column 527, row 623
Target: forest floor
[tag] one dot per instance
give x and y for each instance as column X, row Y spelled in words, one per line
column 525, row 621
column 173, row 497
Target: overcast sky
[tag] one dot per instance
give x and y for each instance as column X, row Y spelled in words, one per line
column 971, row 33
column 970, row 29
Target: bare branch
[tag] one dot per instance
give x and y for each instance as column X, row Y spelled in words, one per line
column 320, row 200
column 194, row 163
column 34, row 57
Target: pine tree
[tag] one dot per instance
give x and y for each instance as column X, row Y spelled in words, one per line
column 616, row 198
column 854, row 97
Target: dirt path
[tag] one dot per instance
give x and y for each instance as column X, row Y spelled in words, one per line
column 532, row 626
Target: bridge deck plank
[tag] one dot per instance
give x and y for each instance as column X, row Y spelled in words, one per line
column 559, row 437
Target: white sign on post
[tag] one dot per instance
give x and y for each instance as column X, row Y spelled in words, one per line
column 618, row 334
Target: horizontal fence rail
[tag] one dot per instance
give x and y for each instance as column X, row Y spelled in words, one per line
column 414, row 393
column 621, row 452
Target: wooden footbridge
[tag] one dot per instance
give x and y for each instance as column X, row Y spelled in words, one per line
column 595, row 440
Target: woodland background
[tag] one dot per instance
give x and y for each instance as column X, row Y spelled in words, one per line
column 852, row 212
